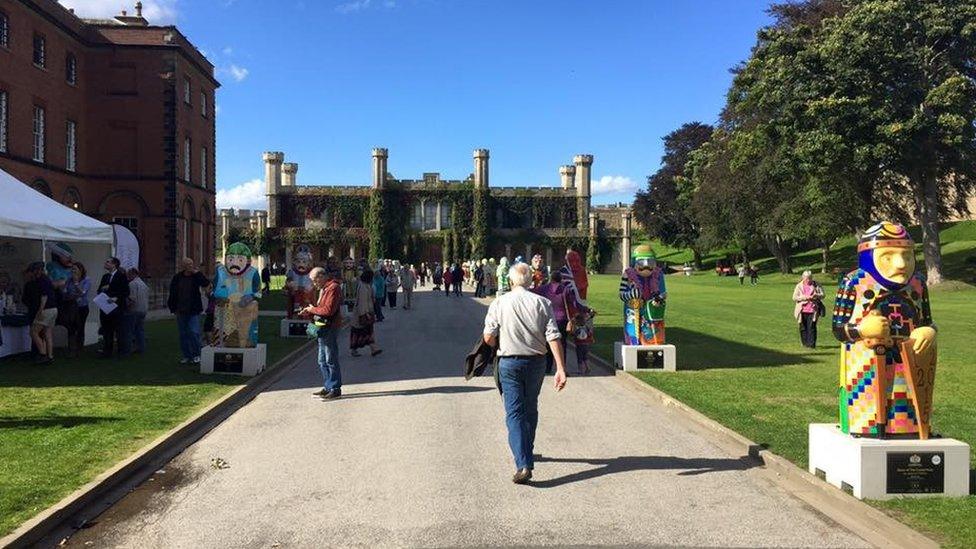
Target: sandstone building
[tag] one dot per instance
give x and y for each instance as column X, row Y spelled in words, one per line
column 430, row 218
column 115, row 119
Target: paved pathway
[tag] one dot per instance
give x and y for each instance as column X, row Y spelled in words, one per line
column 415, row 456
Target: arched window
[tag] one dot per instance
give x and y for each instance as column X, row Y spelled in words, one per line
column 4, row 30
column 72, row 198
column 430, row 215
column 42, row 187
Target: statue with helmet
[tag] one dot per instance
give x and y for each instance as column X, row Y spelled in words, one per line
column 884, row 322
column 644, row 293
column 298, row 285
column 237, row 289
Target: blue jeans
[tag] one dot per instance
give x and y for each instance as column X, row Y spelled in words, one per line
column 135, row 331
column 189, row 329
column 521, row 379
column 329, row 358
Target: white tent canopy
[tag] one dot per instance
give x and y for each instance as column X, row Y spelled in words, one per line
column 26, row 213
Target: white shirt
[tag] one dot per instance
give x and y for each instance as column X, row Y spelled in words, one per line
column 523, row 323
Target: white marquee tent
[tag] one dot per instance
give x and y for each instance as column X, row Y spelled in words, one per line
column 28, row 221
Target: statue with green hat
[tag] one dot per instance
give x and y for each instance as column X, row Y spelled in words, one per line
column 237, row 290
column 643, row 291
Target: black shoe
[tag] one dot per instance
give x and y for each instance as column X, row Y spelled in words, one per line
column 332, row 395
column 522, row 476
column 321, row 393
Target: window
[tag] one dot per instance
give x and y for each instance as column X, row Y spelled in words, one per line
column 40, row 51
column 417, row 217
column 203, row 104
column 446, row 208
column 430, row 215
column 4, row 30
column 71, row 146
column 130, row 223
column 72, row 199
column 203, row 167
column 186, row 91
column 186, row 159
column 38, row 153
column 3, row 121
column 71, row 69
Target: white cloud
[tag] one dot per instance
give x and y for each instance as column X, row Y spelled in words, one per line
column 248, row 195
column 238, row 73
column 228, row 50
column 158, row 12
column 359, row 5
column 613, row 184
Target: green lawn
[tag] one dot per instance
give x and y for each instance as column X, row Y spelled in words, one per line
column 62, row 425
column 745, row 366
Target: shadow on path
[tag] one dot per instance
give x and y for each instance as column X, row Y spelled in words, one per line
column 443, row 390
column 623, row 464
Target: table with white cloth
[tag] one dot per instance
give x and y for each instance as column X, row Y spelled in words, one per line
column 14, row 338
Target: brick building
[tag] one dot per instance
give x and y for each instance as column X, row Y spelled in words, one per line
column 115, row 119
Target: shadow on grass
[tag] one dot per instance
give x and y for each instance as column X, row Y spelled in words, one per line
column 52, row 421
column 624, row 464
column 699, row 351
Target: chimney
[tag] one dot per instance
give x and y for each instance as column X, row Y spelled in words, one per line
column 136, row 20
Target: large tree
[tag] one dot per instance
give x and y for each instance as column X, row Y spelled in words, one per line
column 662, row 209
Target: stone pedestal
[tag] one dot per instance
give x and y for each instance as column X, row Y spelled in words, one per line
column 633, row 358
column 294, row 327
column 871, row 468
column 233, row 360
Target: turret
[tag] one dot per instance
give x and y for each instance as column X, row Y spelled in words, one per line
column 289, row 171
column 583, row 164
column 567, row 174
column 481, row 168
column 380, row 157
column 272, row 181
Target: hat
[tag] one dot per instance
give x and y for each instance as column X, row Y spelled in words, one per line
column 885, row 235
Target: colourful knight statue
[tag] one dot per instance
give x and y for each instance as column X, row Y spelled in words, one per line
column 298, row 285
column 350, row 276
column 59, row 268
column 539, row 276
column 237, row 290
column 643, row 291
column 888, row 350
column 502, row 275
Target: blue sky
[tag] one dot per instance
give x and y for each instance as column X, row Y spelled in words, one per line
column 533, row 81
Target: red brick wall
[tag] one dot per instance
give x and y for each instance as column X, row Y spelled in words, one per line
column 131, row 121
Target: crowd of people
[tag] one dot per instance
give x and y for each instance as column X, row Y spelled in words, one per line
column 60, row 293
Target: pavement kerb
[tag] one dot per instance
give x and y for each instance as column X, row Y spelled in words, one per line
column 93, row 498
column 867, row 522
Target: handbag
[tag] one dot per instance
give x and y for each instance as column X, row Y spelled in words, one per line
column 367, row 319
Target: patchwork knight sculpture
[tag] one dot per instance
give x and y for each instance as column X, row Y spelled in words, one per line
column 298, row 285
column 643, row 291
column 350, row 277
column 888, row 341
column 539, row 276
column 237, row 290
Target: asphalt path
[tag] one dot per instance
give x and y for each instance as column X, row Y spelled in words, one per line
column 413, row 455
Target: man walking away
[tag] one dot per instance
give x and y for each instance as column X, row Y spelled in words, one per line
column 479, row 280
column 266, row 279
column 116, row 287
column 138, row 307
column 457, row 278
column 184, row 301
column 522, row 325
column 407, row 281
column 448, row 273
column 328, row 316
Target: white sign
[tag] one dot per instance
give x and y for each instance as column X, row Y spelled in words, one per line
column 126, row 247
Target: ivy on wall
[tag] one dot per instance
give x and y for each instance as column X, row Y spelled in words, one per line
column 479, row 223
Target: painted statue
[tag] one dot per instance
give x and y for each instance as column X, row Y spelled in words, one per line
column 539, row 276
column 643, row 291
column 888, row 342
column 59, row 268
column 350, row 279
column 298, row 285
column 237, row 290
column 502, row 275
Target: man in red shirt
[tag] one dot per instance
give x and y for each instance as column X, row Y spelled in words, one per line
column 327, row 310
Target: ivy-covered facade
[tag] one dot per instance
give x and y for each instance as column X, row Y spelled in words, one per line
column 431, row 219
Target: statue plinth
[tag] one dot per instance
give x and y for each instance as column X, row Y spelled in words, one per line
column 241, row 361
column 645, row 358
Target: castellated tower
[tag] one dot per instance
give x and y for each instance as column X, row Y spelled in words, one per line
column 272, row 181
column 380, row 157
column 567, row 174
column 481, row 168
column 290, row 171
column 583, row 164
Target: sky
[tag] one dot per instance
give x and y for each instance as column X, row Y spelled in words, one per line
column 536, row 82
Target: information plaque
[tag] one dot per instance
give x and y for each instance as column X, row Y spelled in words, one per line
column 229, row 363
column 650, row 359
column 916, row 473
